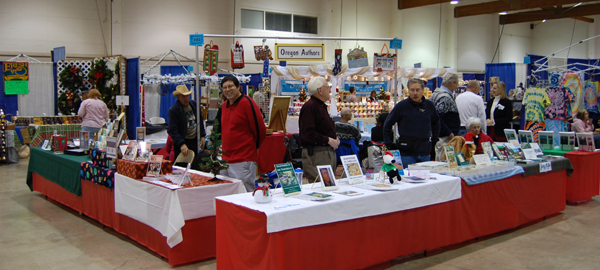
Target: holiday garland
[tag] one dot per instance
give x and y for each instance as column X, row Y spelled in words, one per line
column 70, row 79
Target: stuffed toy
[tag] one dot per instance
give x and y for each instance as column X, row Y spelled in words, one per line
column 388, row 167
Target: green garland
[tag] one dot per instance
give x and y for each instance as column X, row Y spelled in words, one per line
column 211, row 163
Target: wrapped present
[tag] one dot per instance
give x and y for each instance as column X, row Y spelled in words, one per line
column 138, row 169
column 99, row 158
column 101, row 176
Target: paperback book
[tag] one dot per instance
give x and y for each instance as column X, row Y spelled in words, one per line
column 287, row 178
column 154, row 165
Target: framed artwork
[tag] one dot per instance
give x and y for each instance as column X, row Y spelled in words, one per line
column 327, row 177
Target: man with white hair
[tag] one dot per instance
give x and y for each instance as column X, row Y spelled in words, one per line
column 345, row 129
column 317, row 130
column 447, row 111
column 470, row 104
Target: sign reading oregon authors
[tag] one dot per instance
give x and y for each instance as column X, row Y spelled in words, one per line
column 299, row 52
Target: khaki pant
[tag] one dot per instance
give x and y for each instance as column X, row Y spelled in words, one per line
column 245, row 171
column 320, row 157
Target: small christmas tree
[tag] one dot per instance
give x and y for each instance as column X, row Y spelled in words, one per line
column 211, row 163
column 302, row 96
column 383, row 95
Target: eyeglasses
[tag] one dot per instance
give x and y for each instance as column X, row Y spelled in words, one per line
column 229, row 87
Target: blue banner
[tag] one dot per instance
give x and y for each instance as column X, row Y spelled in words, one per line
column 363, row 87
column 292, row 87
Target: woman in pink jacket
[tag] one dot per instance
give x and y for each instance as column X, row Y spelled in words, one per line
column 94, row 113
column 583, row 123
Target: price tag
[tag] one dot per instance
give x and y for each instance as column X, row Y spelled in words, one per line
column 396, row 43
column 545, row 167
column 196, row 39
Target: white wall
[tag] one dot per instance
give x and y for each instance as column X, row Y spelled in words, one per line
column 151, row 27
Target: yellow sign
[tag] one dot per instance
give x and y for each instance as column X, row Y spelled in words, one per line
column 299, row 52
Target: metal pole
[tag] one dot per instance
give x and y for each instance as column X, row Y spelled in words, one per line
column 198, row 103
column 296, row 37
column 396, row 78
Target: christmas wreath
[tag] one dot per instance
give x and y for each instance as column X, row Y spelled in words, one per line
column 70, row 79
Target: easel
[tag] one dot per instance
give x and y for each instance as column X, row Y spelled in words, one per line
column 279, row 110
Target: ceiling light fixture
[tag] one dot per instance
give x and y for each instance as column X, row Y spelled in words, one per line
column 503, row 13
column 544, row 20
column 453, row 2
column 578, row 4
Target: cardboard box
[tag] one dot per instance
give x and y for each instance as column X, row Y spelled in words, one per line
column 27, row 134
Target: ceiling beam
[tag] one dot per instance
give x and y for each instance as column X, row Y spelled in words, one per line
column 500, row 6
column 584, row 19
column 404, row 4
column 559, row 13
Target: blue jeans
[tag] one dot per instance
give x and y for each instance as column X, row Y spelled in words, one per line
column 91, row 130
column 406, row 160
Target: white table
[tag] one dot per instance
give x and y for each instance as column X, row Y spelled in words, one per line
column 166, row 210
column 285, row 213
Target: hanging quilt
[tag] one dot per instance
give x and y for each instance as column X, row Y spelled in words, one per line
column 211, row 58
column 534, row 127
column 591, row 96
column 536, row 100
column 237, row 55
column 558, row 103
column 556, row 126
column 574, row 86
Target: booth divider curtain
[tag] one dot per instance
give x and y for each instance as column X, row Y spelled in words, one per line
column 8, row 103
column 506, row 72
column 40, row 99
column 134, row 118
column 166, row 98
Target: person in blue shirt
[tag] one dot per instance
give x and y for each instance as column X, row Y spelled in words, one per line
column 418, row 125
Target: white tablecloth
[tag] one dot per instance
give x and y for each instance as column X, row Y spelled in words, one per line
column 285, row 213
column 166, row 210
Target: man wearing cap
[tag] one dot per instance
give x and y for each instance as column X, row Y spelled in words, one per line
column 183, row 121
column 242, row 131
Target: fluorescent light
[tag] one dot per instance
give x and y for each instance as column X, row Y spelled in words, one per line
column 454, row 2
column 544, row 20
column 578, row 4
column 503, row 13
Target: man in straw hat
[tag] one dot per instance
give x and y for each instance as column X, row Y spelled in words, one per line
column 183, row 121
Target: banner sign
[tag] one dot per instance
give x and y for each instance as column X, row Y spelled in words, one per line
column 16, row 78
column 196, row 39
column 299, row 52
column 292, row 87
column 363, row 87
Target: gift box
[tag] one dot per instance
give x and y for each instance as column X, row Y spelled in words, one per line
column 101, row 176
column 138, row 169
column 99, row 158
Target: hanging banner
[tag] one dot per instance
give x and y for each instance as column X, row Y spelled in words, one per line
column 364, row 87
column 16, row 78
column 299, row 52
column 292, row 87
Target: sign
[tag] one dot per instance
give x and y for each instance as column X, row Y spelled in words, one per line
column 299, row 52
column 545, row 167
column 16, row 78
column 364, row 87
column 122, row 100
column 292, row 88
column 482, row 159
column 529, row 154
column 196, row 39
column 396, row 43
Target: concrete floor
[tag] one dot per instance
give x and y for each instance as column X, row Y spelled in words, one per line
column 36, row 233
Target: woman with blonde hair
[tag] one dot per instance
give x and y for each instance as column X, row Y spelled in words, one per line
column 499, row 112
column 94, row 113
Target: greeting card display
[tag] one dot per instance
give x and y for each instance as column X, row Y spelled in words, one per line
column 327, row 177
column 287, row 178
column 586, row 141
column 567, row 141
column 352, row 169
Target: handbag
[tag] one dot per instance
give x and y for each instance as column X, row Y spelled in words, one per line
column 211, row 58
column 384, row 62
column 357, row 57
column 237, row 55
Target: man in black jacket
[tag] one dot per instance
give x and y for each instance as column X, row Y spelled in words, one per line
column 417, row 121
column 183, row 123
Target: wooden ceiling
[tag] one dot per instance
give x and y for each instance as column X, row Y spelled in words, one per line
column 519, row 11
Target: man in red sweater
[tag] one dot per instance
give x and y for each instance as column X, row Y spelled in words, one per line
column 242, row 132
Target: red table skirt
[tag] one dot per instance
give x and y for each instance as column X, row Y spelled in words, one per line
column 484, row 209
column 272, row 151
column 97, row 202
column 585, row 180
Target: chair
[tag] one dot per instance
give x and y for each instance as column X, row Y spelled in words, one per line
column 157, row 120
column 185, row 159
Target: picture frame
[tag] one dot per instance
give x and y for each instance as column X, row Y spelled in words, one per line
column 327, row 177
column 586, row 141
column 526, row 136
column 546, row 139
column 567, row 141
column 511, row 136
column 154, row 165
column 352, row 169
